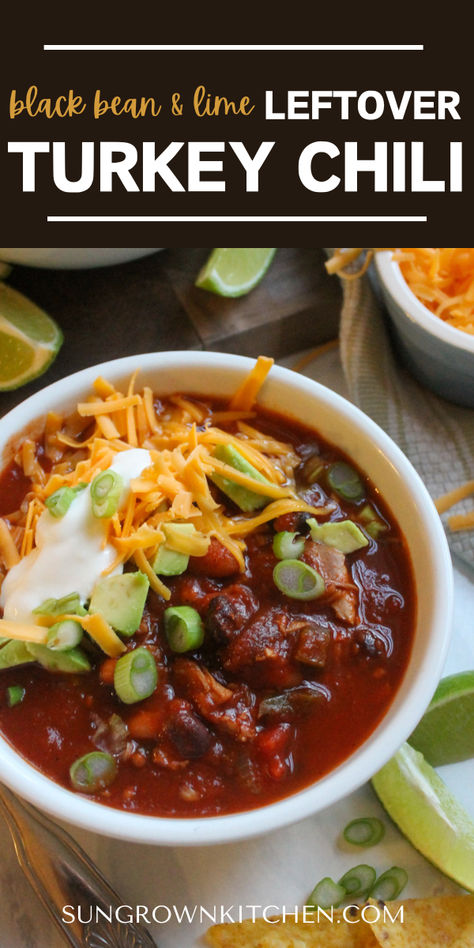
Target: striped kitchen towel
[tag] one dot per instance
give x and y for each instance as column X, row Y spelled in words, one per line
column 436, row 436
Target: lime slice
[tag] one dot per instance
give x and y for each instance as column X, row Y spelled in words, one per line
column 426, row 812
column 234, row 271
column 29, row 339
column 445, row 734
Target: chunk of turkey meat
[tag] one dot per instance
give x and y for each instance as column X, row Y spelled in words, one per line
column 231, row 710
column 340, row 592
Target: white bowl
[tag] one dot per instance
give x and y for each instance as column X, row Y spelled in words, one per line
column 344, row 425
column 64, row 258
column 439, row 356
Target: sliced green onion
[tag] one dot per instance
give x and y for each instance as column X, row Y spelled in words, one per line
column 326, row 894
column 59, row 503
column 79, row 487
column 286, row 546
column 106, row 490
column 184, row 628
column 358, row 881
column 389, row 885
column 64, row 635
column 93, row 772
column 298, row 580
column 58, row 607
column 135, row 676
column 345, row 481
column 313, row 468
column 15, row 695
column 366, row 831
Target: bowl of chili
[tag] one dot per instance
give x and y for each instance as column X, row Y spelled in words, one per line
column 269, row 612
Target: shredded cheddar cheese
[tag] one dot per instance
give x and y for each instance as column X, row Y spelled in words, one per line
column 181, row 436
column 102, row 633
column 461, row 521
column 8, row 550
column 443, row 279
column 453, row 497
column 245, row 396
column 23, row 631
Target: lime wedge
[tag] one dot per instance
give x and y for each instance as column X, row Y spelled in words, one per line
column 234, row 271
column 29, row 339
column 445, row 734
column 426, row 812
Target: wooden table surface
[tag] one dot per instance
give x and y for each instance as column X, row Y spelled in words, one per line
column 152, row 304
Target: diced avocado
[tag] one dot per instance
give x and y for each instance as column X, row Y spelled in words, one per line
column 72, row 662
column 372, row 522
column 121, row 600
column 14, row 653
column 57, row 607
column 344, row 535
column 169, row 562
column 246, row 499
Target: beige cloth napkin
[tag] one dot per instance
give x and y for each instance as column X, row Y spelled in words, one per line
column 436, row 436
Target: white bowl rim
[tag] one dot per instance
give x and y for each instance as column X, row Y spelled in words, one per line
column 391, row 276
column 63, row 804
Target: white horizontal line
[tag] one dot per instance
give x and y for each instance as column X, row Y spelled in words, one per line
column 175, row 48
column 249, row 220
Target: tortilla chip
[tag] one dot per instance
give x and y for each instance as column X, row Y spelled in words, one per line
column 293, row 934
column 439, row 922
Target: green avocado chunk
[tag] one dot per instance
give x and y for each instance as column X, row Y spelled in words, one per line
column 73, row 662
column 57, row 607
column 344, row 535
column 372, row 522
column 246, row 499
column 121, row 600
column 14, row 653
column 169, row 562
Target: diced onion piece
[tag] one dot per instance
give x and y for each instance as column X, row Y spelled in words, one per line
column 390, row 884
column 345, row 481
column 59, row 503
column 288, row 546
column 93, row 772
column 298, row 580
column 184, row 628
column 326, row 894
column 106, row 491
column 135, row 676
column 65, row 635
column 358, row 881
column 366, row 831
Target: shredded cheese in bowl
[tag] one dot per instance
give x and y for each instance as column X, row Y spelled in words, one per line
column 442, row 278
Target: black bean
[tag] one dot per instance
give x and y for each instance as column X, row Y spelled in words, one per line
column 189, row 734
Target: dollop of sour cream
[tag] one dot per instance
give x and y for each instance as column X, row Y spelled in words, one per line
column 68, row 556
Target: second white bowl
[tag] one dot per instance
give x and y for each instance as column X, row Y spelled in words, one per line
column 438, row 355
